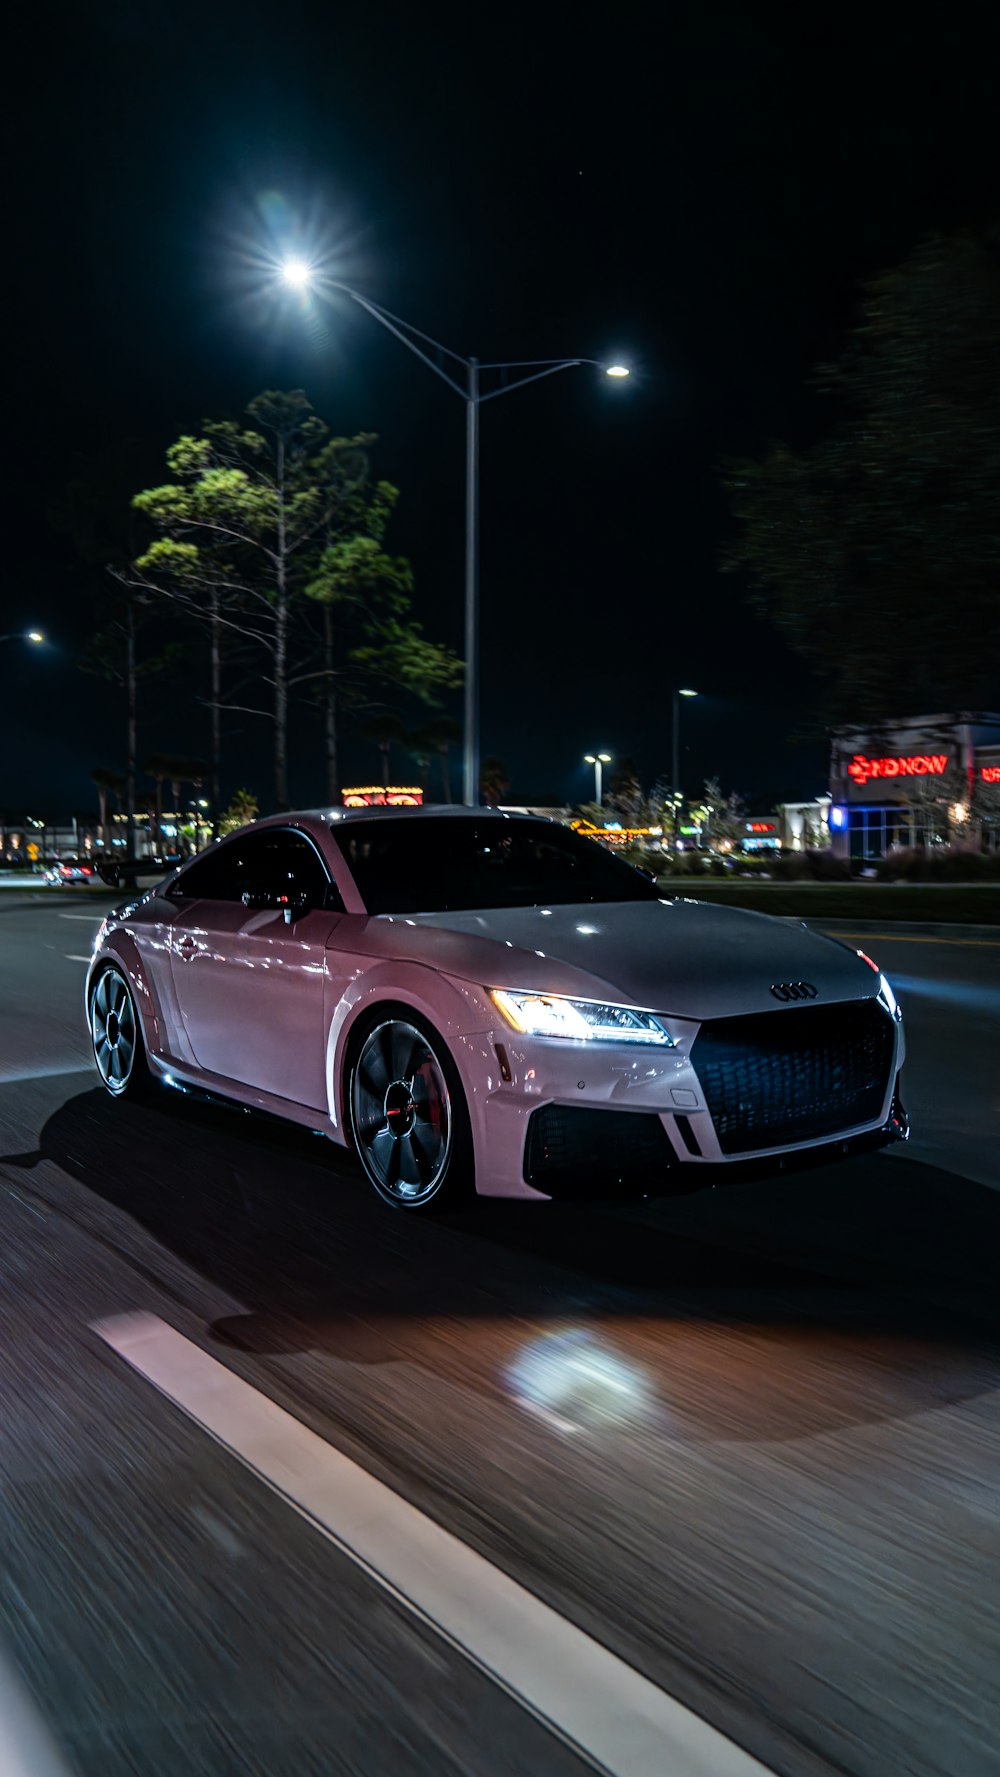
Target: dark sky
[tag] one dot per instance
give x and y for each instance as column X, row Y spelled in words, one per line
column 696, row 189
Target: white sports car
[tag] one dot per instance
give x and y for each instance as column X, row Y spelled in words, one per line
column 477, row 1001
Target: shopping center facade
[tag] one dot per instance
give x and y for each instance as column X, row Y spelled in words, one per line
column 919, row 781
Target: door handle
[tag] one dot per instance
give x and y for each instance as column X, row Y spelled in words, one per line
column 186, row 946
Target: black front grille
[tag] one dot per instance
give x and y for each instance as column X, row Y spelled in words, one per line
column 775, row 1078
column 575, row 1151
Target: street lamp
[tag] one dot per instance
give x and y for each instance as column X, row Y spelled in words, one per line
column 298, row 273
column 598, row 761
column 23, row 635
column 301, row 276
column 678, row 794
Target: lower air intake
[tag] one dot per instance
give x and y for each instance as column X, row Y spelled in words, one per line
column 581, row 1152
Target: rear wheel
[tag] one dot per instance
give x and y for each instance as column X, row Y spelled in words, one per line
column 117, row 1037
column 408, row 1114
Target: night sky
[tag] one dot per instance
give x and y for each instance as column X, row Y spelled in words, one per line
column 694, row 189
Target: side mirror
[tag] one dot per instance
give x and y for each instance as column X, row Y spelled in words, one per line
column 290, row 905
column 293, row 906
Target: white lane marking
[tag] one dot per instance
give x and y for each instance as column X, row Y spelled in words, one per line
column 602, row 1708
column 23, row 1201
column 70, row 958
column 92, row 919
column 26, row 1747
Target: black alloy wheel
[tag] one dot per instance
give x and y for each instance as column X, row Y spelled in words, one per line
column 117, row 1036
column 408, row 1114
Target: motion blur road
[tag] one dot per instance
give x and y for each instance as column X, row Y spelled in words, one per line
column 746, row 1440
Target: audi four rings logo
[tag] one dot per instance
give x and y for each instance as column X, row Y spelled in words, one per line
column 794, row 990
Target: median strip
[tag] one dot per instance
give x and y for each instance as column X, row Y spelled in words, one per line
column 913, row 938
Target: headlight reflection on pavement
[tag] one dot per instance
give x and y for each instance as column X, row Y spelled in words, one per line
column 578, row 1382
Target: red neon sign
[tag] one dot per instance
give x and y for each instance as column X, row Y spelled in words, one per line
column 762, row 827
column 912, row 765
column 990, row 774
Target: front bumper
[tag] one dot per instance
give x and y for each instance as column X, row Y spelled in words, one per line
column 554, row 1118
column 578, row 1153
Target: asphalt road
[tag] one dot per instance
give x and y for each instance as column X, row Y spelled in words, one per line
column 747, row 1439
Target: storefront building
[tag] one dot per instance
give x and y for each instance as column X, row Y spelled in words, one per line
column 922, row 781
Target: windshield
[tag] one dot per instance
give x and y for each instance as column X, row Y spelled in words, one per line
column 451, row 864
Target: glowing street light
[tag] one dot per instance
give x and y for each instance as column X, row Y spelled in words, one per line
column 678, row 794
column 23, row 635
column 598, row 761
column 297, row 273
column 300, row 275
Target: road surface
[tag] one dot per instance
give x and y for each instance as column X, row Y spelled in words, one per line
column 717, row 1475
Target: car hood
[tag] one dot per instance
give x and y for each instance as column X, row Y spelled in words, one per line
column 684, row 957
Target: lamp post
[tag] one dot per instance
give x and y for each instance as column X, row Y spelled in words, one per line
column 24, row 635
column 300, row 275
column 678, row 794
column 598, row 761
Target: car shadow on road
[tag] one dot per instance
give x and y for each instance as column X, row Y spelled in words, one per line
column 884, row 1270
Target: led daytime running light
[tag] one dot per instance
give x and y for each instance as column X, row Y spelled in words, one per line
column 888, row 998
column 550, row 1015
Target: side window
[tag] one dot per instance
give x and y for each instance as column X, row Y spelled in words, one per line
column 217, row 877
column 268, row 862
column 287, row 864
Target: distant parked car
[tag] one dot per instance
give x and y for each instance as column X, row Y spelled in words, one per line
column 70, row 870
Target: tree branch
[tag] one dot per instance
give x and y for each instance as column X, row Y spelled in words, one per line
column 223, row 530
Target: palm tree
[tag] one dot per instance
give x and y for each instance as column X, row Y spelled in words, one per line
column 420, row 752
column 106, row 780
column 241, row 811
column 494, row 781
column 385, row 730
column 174, row 770
column 438, row 736
column 157, row 767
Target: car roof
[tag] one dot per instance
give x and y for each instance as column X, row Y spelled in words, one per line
column 448, row 810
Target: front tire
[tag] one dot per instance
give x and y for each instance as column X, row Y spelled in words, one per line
column 116, row 1035
column 408, row 1114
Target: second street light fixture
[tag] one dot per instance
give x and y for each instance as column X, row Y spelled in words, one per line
column 678, row 793
column 598, row 761
column 302, row 276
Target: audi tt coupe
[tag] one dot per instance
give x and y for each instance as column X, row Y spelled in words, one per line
column 482, row 1002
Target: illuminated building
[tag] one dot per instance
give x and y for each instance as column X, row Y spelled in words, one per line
column 900, row 783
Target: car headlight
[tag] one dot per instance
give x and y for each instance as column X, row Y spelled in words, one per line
column 887, row 998
column 549, row 1015
column 885, row 995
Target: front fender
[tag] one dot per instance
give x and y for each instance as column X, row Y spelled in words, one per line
column 452, row 1007
column 120, row 947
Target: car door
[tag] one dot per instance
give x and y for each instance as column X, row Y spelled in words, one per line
column 250, row 985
